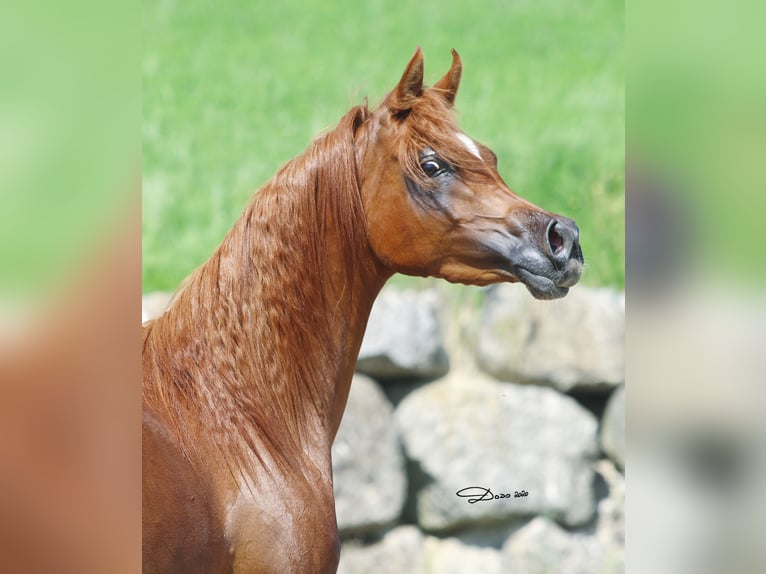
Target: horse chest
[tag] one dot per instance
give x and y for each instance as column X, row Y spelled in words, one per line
column 284, row 526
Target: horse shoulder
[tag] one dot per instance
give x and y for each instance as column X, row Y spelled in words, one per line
column 182, row 530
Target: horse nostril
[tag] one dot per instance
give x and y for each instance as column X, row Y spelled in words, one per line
column 555, row 241
column 563, row 239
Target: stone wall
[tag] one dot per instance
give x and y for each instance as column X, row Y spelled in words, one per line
column 503, row 392
column 500, row 392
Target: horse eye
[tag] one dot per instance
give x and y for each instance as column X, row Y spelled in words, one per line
column 432, row 167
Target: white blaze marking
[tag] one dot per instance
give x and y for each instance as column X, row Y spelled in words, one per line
column 469, row 143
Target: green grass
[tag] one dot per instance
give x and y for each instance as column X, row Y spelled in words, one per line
column 232, row 90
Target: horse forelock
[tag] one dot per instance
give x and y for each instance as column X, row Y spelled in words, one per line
column 428, row 122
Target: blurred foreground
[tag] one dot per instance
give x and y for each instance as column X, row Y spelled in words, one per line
column 696, row 311
column 70, row 279
column 69, row 420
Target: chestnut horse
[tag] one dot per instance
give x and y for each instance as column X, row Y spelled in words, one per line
column 246, row 375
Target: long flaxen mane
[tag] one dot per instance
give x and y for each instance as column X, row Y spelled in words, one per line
column 250, row 318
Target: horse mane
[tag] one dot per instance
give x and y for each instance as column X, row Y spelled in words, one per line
column 250, row 325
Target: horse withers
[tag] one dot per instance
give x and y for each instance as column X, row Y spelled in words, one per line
column 246, row 375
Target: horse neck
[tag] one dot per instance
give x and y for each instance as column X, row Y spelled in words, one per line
column 267, row 332
column 305, row 293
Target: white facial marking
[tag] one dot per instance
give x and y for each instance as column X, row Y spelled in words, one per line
column 469, row 143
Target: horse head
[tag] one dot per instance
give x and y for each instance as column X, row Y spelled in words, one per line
column 435, row 204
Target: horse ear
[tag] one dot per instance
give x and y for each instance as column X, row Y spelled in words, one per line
column 411, row 84
column 449, row 84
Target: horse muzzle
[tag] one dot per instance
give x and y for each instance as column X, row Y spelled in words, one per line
column 549, row 259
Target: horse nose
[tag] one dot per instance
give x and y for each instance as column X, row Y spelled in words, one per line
column 563, row 238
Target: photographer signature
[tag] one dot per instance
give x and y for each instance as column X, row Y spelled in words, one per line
column 476, row 494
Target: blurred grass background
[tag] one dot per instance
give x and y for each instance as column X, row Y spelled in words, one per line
column 232, row 90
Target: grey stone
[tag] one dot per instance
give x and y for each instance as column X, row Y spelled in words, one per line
column 476, row 432
column 399, row 552
column 368, row 466
column 610, row 523
column 405, row 550
column 613, row 427
column 403, row 337
column 451, row 556
column 574, row 343
column 154, row 304
column 543, row 547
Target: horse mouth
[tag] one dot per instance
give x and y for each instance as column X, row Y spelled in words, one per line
column 542, row 286
column 543, row 277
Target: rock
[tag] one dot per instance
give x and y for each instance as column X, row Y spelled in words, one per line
column 451, row 556
column 610, row 522
column 574, row 343
column 482, row 433
column 368, row 466
column 399, row 552
column 153, row 305
column 405, row 550
column 543, row 547
column 403, row 338
column 613, row 427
